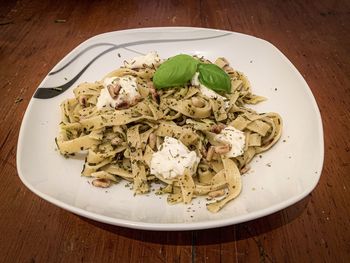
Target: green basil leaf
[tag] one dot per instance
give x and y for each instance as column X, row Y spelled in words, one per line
column 176, row 71
column 213, row 77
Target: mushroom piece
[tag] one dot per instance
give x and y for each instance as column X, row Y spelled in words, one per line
column 217, row 128
column 101, row 182
column 210, row 153
column 113, row 90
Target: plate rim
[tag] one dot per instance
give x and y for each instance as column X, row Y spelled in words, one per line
column 208, row 224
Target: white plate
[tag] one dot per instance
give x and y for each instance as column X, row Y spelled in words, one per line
column 283, row 176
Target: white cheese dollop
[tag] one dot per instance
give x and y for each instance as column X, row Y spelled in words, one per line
column 149, row 59
column 173, row 158
column 128, row 91
column 208, row 92
column 235, row 138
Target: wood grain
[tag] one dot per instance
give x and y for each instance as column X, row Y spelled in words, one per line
column 314, row 35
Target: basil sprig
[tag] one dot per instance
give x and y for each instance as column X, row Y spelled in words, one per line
column 179, row 70
column 176, row 71
column 213, row 77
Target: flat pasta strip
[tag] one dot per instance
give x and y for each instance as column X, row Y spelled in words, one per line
column 187, row 186
column 234, row 183
column 138, row 168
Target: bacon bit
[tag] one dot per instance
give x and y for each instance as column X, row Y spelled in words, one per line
column 82, row 100
column 103, row 183
column 127, row 104
column 114, row 90
column 203, row 152
column 222, row 149
column 154, row 93
column 210, row 153
column 122, row 105
column 218, row 128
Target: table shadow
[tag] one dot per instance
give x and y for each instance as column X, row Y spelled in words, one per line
column 220, row 235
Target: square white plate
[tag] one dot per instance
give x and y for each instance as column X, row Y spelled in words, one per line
column 283, row 176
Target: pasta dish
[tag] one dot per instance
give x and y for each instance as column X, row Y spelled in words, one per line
column 182, row 123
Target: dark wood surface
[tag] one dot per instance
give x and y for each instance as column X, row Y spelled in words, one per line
column 314, row 35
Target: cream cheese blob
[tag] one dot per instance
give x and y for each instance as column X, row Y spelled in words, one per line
column 235, row 138
column 152, row 58
column 172, row 159
column 128, row 91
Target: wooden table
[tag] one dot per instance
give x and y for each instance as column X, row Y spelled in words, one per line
column 35, row 35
